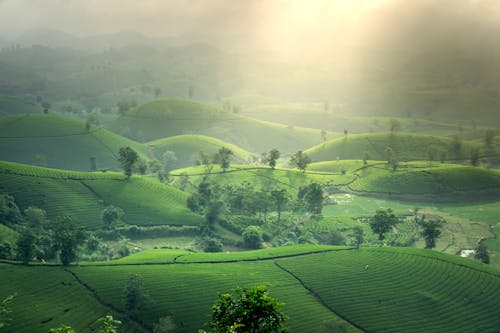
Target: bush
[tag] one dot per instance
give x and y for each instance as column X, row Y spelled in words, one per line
column 252, row 237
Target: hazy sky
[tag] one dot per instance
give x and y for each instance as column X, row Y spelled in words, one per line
column 178, row 17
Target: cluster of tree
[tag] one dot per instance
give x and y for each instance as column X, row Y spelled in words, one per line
column 43, row 239
column 222, row 157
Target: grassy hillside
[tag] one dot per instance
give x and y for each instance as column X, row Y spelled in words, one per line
column 421, row 181
column 261, row 177
column 315, row 117
column 11, row 106
column 405, row 147
column 187, row 149
column 372, row 289
column 169, row 117
column 83, row 195
column 60, row 142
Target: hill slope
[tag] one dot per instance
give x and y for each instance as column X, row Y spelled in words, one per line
column 169, row 117
column 366, row 290
column 83, row 195
column 60, row 142
column 11, row 106
column 405, row 147
column 187, row 149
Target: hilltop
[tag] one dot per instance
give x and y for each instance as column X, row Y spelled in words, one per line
column 60, row 142
column 83, row 195
column 404, row 146
column 187, row 149
column 169, row 117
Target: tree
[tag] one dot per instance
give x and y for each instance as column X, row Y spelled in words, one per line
column 394, row 125
column 252, row 237
column 474, row 157
column 135, row 296
column 248, row 310
column 271, row 158
column 157, row 92
column 279, row 198
column 111, row 214
column 456, row 146
column 26, row 245
column 108, row 324
column 67, row 237
column 323, row 135
column 300, row 160
column 382, row 222
column 489, row 135
column 206, row 161
column 213, row 212
column 127, row 157
column 430, row 230
column 223, row 157
column 313, row 197
column 358, row 236
column 389, row 154
column 482, row 253
column 9, row 212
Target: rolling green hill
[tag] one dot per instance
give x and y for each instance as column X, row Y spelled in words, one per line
column 83, row 195
column 11, row 106
column 420, row 181
column 366, row 290
column 60, row 142
column 187, row 149
column 405, row 147
column 169, row 117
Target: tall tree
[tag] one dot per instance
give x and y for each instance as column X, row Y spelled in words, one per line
column 248, row 310
column 127, row 157
column 67, row 237
column 382, row 222
column 135, row 296
column 279, row 198
column 300, row 160
column 223, row 157
column 271, row 158
column 111, row 214
column 430, row 230
column 313, row 197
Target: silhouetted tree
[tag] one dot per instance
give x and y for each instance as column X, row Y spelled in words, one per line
column 271, row 158
column 223, row 157
column 430, row 230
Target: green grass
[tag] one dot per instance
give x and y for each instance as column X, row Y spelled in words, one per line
column 187, row 149
column 442, row 182
column 376, row 289
column 405, row 147
column 261, row 177
column 394, row 291
column 170, row 117
column 11, row 106
column 83, row 195
column 62, row 141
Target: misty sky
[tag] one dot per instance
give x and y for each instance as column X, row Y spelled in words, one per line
column 260, row 18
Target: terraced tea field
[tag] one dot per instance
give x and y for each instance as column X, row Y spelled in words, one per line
column 83, row 195
column 366, row 290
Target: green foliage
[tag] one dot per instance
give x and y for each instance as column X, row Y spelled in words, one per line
column 67, row 237
column 249, row 310
column 127, row 157
column 271, row 158
column 135, row 296
column 300, row 160
column 9, row 212
column 358, row 236
column 26, row 245
column 111, row 214
column 211, row 245
column 279, row 198
column 382, row 222
column 252, row 237
column 313, row 197
column 62, row 329
column 482, row 253
column 108, row 324
column 223, row 157
column 430, row 230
